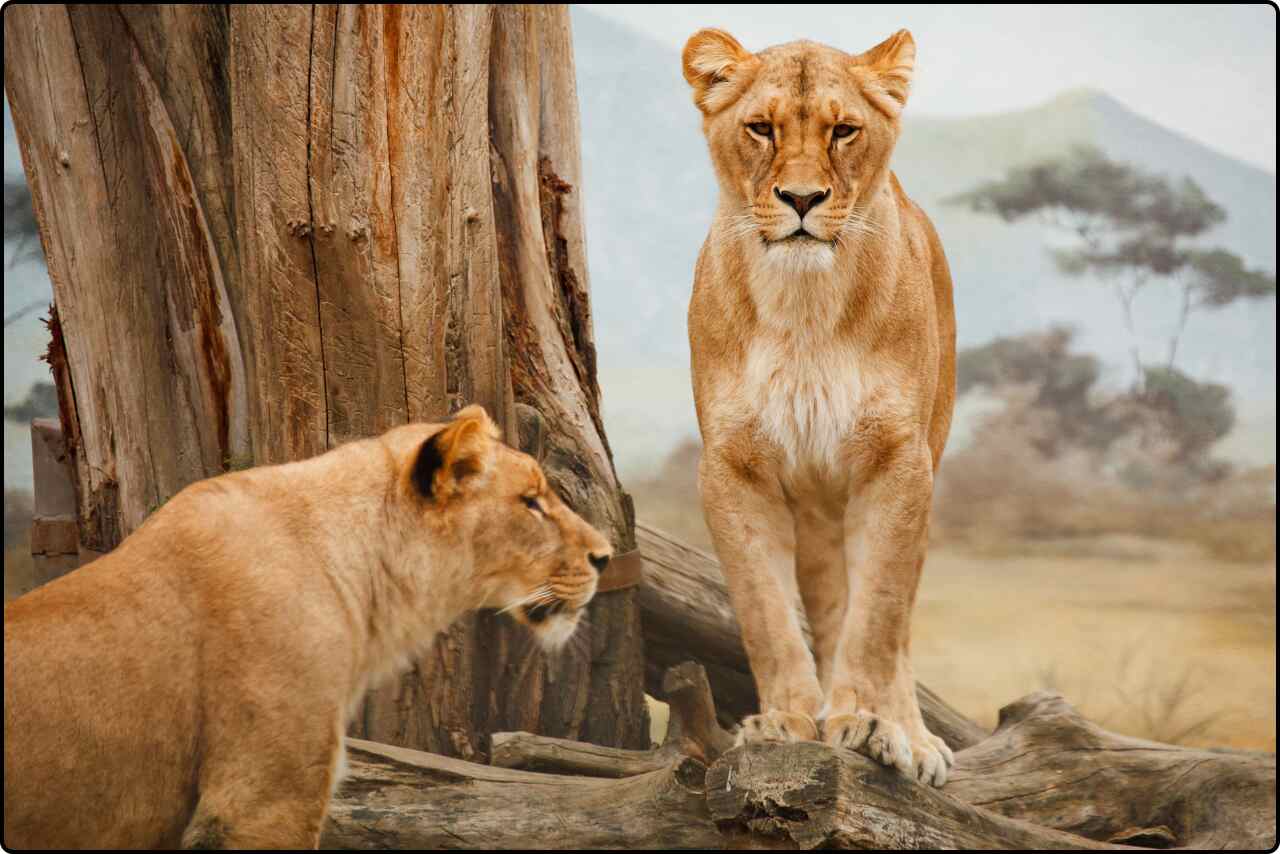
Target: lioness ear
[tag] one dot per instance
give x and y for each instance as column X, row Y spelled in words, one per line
column 891, row 64
column 454, row 454
column 712, row 59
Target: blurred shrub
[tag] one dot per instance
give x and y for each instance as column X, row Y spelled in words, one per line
column 17, row 542
column 1060, row 458
column 17, row 516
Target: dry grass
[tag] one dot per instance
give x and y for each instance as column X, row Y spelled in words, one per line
column 1166, row 644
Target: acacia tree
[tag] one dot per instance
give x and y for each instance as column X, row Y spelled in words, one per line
column 1132, row 228
column 272, row 229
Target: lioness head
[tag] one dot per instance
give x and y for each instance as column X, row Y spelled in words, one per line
column 528, row 553
column 800, row 136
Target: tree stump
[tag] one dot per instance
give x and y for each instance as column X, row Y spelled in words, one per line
column 272, row 229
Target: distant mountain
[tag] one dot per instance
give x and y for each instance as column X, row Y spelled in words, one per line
column 938, row 157
column 649, row 195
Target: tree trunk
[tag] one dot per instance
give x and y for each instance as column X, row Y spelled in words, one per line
column 272, row 229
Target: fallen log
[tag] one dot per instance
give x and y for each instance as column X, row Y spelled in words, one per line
column 692, row 731
column 810, row 795
column 1045, row 779
column 529, row 752
column 1046, row 764
column 400, row 798
column 685, row 614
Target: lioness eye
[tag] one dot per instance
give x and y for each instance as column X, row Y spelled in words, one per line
column 842, row 131
column 531, row 503
column 761, row 129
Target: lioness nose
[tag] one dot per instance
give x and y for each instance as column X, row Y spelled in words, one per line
column 599, row 561
column 802, row 202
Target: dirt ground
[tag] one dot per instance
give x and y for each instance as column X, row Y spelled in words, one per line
column 1148, row 638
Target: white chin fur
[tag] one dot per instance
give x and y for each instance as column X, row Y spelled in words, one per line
column 800, row 256
column 556, row 631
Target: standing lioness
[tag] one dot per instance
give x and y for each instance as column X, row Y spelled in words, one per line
column 193, row 685
column 823, row 345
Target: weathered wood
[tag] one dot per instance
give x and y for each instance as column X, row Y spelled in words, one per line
column 1044, row 780
column 52, row 478
column 693, row 726
column 272, row 229
column 686, row 614
column 563, row 756
column 1048, row 765
column 692, row 731
column 813, row 796
column 405, row 799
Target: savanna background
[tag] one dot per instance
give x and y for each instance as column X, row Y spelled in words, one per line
column 1103, row 180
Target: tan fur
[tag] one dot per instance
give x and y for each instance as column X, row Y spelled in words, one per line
column 824, row 378
column 193, row 685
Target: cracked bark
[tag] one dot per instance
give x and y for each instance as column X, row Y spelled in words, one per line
column 1045, row 779
column 273, row 229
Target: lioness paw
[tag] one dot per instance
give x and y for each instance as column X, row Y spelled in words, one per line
column 931, row 764
column 926, row 759
column 777, row 726
column 941, row 747
column 871, row 735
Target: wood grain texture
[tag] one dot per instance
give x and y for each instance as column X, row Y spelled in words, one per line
column 273, row 229
column 1045, row 780
column 691, row 731
column 813, row 796
column 1048, row 765
column 282, row 333
column 389, row 803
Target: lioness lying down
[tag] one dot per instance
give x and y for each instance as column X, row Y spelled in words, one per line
column 192, row 687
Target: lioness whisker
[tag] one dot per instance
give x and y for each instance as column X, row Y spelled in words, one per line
column 539, row 593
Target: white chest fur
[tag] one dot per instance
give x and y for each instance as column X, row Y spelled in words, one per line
column 804, row 395
column 802, row 382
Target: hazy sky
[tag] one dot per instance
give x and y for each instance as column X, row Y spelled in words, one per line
column 1207, row 71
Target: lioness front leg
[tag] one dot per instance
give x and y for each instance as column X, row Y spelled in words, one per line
column 753, row 534
column 872, row 704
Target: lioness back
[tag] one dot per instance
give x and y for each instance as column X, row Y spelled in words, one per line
column 192, row 686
